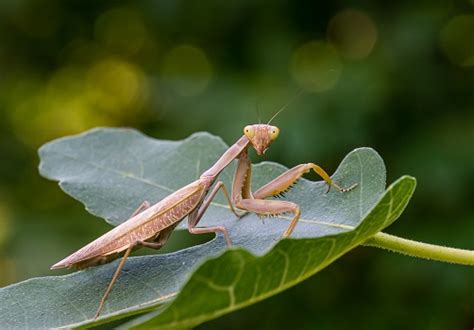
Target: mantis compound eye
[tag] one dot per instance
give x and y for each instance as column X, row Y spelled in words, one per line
column 249, row 131
column 273, row 132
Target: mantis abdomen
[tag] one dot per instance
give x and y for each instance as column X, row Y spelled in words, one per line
column 145, row 226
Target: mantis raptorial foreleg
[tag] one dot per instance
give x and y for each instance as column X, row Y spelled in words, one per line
column 254, row 202
column 271, row 207
column 284, row 182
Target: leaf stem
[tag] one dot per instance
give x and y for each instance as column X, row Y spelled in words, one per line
column 421, row 250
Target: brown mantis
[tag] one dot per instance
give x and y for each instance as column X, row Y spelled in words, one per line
column 151, row 226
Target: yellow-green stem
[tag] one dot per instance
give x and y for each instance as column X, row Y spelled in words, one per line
column 421, row 250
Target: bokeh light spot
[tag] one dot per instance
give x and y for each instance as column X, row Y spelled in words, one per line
column 122, row 30
column 353, row 33
column 187, row 69
column 316, row 66
column 108, row 92
column 113, row 85
column 457, row 40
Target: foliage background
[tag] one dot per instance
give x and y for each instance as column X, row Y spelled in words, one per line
column 394, row 76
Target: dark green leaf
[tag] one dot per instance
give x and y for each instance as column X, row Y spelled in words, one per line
column 113, row 170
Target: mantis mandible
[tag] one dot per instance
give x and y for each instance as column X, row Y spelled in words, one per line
column 151, row 226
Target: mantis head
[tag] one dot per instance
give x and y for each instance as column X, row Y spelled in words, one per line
column 261, row 136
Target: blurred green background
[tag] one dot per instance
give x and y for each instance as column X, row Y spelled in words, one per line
column 396, row 76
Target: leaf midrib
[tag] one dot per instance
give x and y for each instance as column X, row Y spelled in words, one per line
column 170, row 190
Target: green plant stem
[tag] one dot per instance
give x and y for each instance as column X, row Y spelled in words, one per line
column 421, row 250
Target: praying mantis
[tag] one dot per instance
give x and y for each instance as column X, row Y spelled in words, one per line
column 151, row 225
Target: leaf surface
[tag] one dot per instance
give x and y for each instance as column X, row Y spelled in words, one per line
column 111, row 171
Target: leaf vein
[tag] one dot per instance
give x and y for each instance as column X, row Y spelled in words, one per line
column 70, row 303
column 285, row 268
column 145, row 284
column 120, row 173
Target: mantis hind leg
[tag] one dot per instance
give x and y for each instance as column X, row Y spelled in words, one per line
column 151, row 245
column 160, row 241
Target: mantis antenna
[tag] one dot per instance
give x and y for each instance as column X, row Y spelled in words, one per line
column 283, row 107
column 258, row 112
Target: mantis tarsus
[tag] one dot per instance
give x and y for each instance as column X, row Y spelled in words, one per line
column 151, row 226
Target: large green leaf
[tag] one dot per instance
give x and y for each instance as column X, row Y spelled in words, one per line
column 113, row 170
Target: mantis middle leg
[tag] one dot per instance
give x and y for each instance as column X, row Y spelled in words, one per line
column 196, row 215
